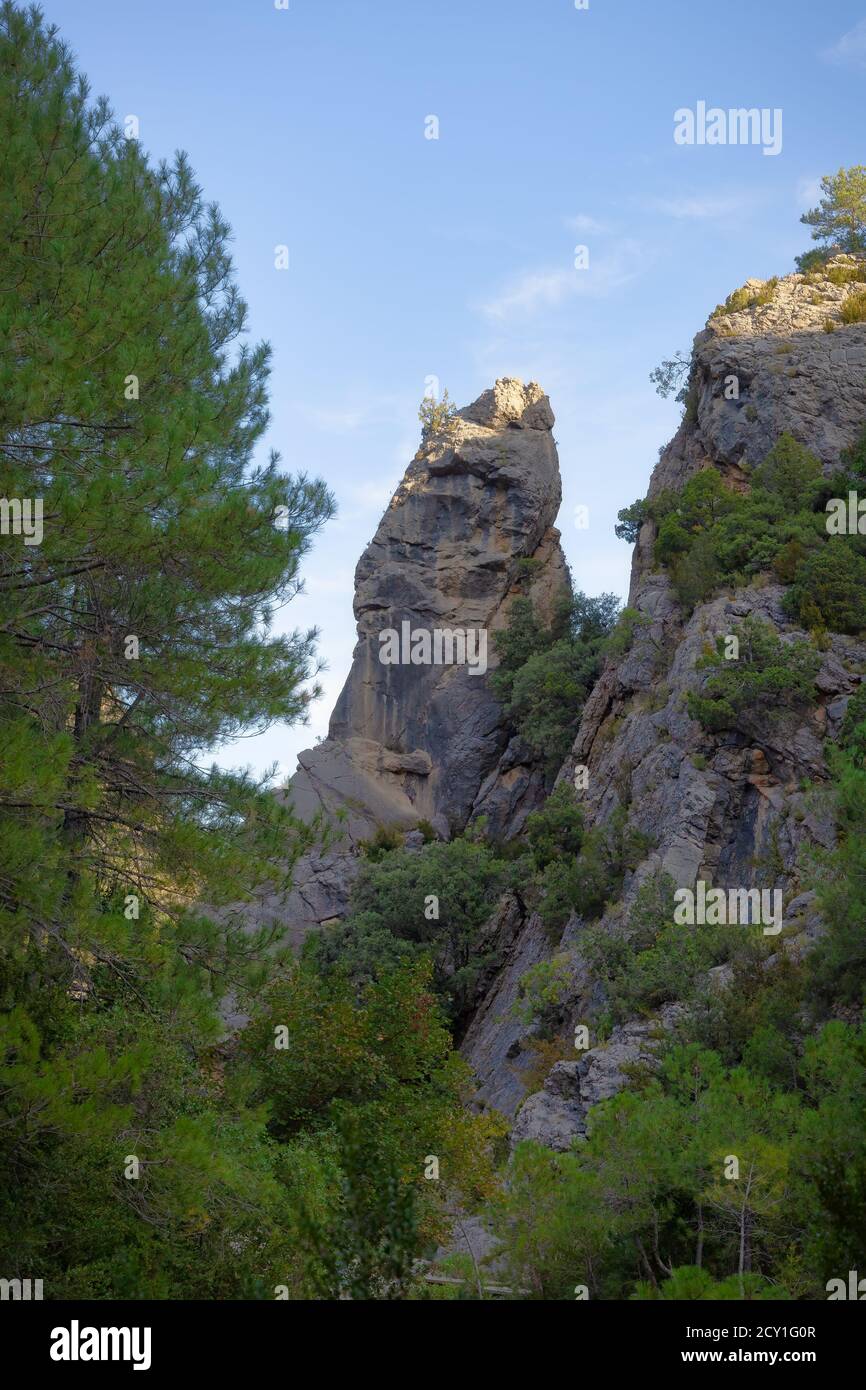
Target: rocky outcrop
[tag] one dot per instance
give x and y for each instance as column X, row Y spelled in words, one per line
column 557, row 1115
column 494, row 1042
column 635, row 735
column 425, row 740
column 733, row 810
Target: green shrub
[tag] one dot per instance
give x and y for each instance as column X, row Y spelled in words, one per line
column 429, row 902
column 710, row 535
column 437, row 417
column 696, row 573
column 838, row 963
column 689, row 1283
column 745, row 298
column 384, row 841
column 846, row 274
column 667, row 971
column 621, row 638
column 650, row 961
column 829, row 588
column 852, row 735
column 588, row 883
column 547, row 698
column 543, row 991
column 545, row 673
column 790, row 474
column 853, row 464
column 769, row 676
column 815, row 259
column 556, row 830
column 757, row 1017
column 854, row 308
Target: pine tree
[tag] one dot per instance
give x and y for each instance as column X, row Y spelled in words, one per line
column 145, row 552
column 839, row 220
column 135, row 636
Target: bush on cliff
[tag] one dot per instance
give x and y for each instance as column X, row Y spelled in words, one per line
column 431, row 902
column 709, row 535
column 829, row 588
column 586, row 882
column 546, row 672
column 767, row 676
column 839, row 959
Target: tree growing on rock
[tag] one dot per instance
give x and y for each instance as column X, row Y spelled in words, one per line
column 839, row 220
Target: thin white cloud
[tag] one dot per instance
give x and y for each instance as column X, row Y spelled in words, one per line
column 850, row 50
column 698, row 208
column 337, row 421
column 583, row 223
column 351, row 415
column 535, row 290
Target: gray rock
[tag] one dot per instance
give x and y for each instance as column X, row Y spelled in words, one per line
column 727, row 809
column 493, row 1044
column 556, row 1116
column 429, row 742
column 559, row 1115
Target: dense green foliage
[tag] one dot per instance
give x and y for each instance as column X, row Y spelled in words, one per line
column 710, row 535
column 766, row 677
column 755, row 1070
column 630, row 520
column 829, row 589
column 584, row 882
column 142, row 1152
column 430, row 903
column 545, row 672
column 363, row 1088
column 645, row 1204
column 648, row 1199
column 839, row 963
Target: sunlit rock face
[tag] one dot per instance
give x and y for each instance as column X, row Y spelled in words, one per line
column 732, row 810
column 417, row 733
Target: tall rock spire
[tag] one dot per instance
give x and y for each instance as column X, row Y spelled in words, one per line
column 417, row 733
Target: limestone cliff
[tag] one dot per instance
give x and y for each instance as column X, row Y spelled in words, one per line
column 728, row 809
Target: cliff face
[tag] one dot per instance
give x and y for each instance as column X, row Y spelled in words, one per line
column 728, row 809
column 412, row 741
column 792, row 376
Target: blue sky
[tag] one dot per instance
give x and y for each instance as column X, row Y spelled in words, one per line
column 411, row 257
